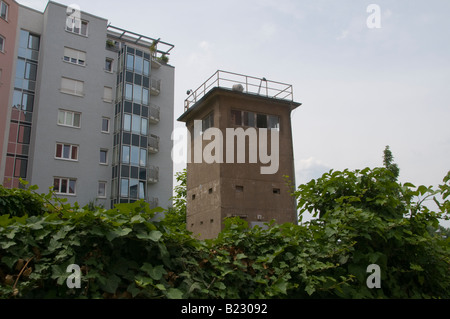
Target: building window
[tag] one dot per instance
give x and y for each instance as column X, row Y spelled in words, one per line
column 135, row 124
column 124, row 187
column 249, row 119
column 75, row 56
column 2, row 44
column 64, row 186
column 29, row 46
column 66, row 152
column 261, row 121
column 273, row 122
column 129, row 92
column 125, row 154
column 71, row 86
column 109, row 64
column 108, row 94
column 77, row 26
column 239, row 189
column 105, row 125
column 277, row 191
column 104, row 157
column 20, row 168
column 68, row 118
column 101, row 190
column 236, row 117
column 208, row 121
column 130, row 62
column 3, row 10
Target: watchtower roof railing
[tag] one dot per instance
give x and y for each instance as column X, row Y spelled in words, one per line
column 242, row 83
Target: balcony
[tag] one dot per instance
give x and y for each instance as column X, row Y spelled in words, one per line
column 153, row 144
column 155, row 87
column 155, row 63
column 154, row 114
column 153, row 174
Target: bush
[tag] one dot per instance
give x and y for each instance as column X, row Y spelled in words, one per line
column 20, row 202
column 124, row 253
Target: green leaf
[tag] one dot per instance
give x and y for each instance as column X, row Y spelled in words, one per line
column 154, row 235
column 8, row 244
column 416, row 267
column 4, row 220
column 112, row 283
column 281, row 286
column 118, row 233
column 241, row 256
column 174, row 293
column 160, row 287
column 310, row 289
column 155, row 272
column 9, row 261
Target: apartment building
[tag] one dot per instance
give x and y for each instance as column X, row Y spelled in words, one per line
column 90, row 109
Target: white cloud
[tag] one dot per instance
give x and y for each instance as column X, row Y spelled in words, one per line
column 308, row 169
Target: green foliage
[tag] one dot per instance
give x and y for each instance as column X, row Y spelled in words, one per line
column 19, row 202
column 388, row 161
column 367, row 218
column 175, row 217
column 382, row 222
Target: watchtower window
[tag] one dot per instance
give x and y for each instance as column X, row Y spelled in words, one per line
column 208, row 121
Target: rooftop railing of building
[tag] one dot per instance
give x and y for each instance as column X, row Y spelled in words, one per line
column 120, row 34
column 241, row 83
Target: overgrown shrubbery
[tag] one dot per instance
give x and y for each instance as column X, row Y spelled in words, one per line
column 367, row 218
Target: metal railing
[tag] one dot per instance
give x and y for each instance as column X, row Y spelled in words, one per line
column 242, row 83
column 153, row 174
column 155, row 86
column 153, row 144
column 154, row 113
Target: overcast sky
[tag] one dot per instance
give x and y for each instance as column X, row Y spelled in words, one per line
column 362, row 88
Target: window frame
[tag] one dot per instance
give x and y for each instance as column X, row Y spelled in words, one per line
column 111, row 61
column 65, row 118
column 75, row 92
column 68, row 183
column 105, row 185
column 4, row 5
column 73, row 21
column 71, row 152
column 209, row 121
column 108, row 120
column 104, row 150
column 77, row 59
column 3, row 44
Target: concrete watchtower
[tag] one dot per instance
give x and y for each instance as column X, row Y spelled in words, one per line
column 240, row 150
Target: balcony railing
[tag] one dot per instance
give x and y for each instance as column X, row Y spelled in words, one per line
column 155, row 87
column 154, row 114
column 241, row 83
column 153, row 174
column 153, row 144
